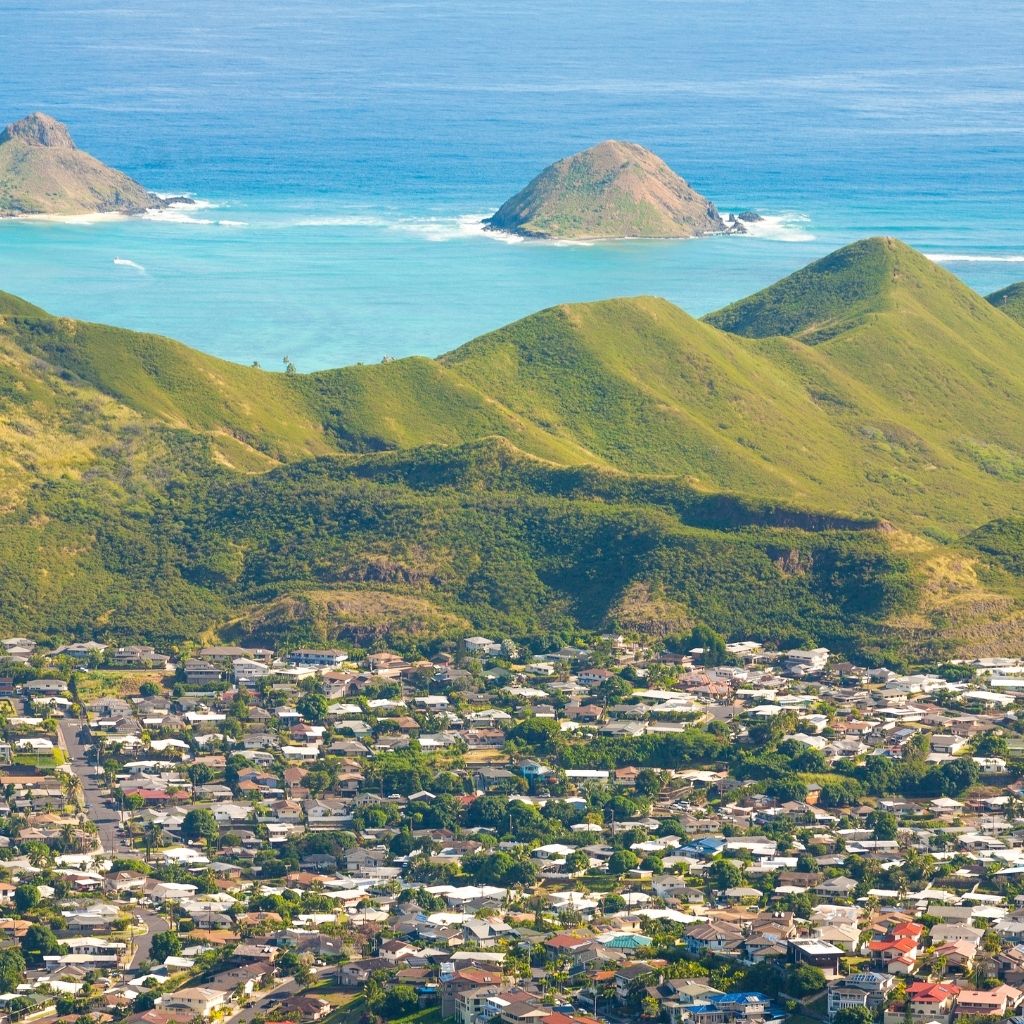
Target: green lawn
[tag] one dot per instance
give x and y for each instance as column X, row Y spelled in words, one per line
column 349, row 1012
column 431, row 1015
column 41, row 760
column 352, row 1008
column 114, row 683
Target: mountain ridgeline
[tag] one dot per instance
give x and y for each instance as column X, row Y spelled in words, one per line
column 816, row 462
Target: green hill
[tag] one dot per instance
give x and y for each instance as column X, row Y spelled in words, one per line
column 1010, row 301
column 821, row 300
column 605, row 463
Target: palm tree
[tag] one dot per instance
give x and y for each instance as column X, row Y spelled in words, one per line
column 40, row 855
column 68, row 783
column 131, row 826
column 68, row 838
column 152, row 835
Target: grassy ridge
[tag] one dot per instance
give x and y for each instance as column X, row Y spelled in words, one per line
column 611, row 463
column 907, row 413
column 819, row 301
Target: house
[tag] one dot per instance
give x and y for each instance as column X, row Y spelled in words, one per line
column 928, row 1001
column 845, row 936
column 487, row 777
column 81, row 651
column 945, row 744
column 836, row 888
column 475, row 1004
column 479, row 646
column 360, row 859
column 326, row 813
column 729, row 1008
column 958, row 955
column 305, row 1007
column 571, row 947
column 226, row 655
column 247, row 977
column 480, row 981
column 198, row 1001
column 139, row 655
column 706, row 847
column 522, row 1010
column 247, row 670
column 807, row 661
column 710, row 937
column 995, row 1002
column 309, row 658
column 628, row 978
column 817, row 953
column 867, row 989
column 898, row 951
column 199, row 672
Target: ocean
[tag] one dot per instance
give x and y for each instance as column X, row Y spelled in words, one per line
column 344, row 153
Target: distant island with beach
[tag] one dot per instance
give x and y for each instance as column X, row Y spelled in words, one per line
column 612, row 190
column 43, row 173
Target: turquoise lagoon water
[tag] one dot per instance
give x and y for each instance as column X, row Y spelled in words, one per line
column 345, row 152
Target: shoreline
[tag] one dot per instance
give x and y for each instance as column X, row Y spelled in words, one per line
column 174, row 201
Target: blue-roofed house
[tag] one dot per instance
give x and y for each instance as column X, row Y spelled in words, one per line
column 709, row 846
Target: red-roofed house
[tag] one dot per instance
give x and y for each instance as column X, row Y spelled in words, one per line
column 928, row 1001
column 897, row 953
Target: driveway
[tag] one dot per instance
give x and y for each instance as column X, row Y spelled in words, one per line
column 262, row 1001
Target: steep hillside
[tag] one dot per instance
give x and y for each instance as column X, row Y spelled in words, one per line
column 253, row 414
column 644, row 386
column 1010, row 301
column 612, row 190
column 398, row 545
column 257, row 418
column 821, row 300
column 416, row 401
column 907, row 413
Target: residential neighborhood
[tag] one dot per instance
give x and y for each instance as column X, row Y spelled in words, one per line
column 686, row 831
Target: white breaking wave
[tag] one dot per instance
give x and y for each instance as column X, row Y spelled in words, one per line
column 183, row 212
column 779, row 227
column 343, row 221
column 174, row 215
column 783, row 227
column 119, row 262
column 233, row 223
column 954, row 257
column 188, row 201
column 447, row 229
column 433, row 229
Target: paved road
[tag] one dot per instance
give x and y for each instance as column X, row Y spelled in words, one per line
column 89, row 776
column 156, row 924
column 106, row 819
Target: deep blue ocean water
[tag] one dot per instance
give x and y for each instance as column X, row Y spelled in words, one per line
column 348, row 147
